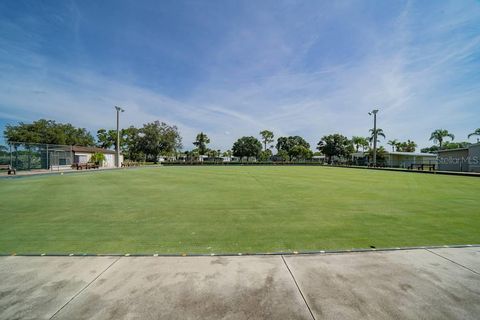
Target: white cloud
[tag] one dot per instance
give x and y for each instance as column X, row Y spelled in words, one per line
column 418, row 73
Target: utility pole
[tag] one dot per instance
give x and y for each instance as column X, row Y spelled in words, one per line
column 374, row 112
column 117, row 145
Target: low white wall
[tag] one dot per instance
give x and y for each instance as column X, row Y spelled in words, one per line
column 109, row 159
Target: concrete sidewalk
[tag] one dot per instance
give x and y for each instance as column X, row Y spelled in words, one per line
column 413, row 284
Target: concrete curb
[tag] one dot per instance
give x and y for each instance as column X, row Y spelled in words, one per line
column 293, row 253
column 90, row 171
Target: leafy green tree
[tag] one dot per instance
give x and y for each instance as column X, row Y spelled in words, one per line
column 335, row 145
column 247, row 147
column 129, row 144
column 265, row 155
column 288, row 143
column 282, row 155
column 408, row 146
column 107, row 139
column 201, row 142
column 456, row 145
column 98, row 158
column 300, row 153
column 475, row 133
column 158, row 138
column 213, row 153
column 267, row 138
column 439, row 135
column 447, row 145
column 227, row 154
column 49, row 132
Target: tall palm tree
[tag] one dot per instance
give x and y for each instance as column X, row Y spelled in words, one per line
column 393, row 143
column 380, row 133
column 475, row 133
column 439, row 135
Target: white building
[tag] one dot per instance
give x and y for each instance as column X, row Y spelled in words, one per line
column 83, row 155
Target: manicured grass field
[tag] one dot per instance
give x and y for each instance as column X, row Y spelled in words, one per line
column 235, row 209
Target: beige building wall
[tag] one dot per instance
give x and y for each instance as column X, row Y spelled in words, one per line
column 108, row 163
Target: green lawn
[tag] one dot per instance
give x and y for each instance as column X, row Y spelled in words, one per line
column 235, row 209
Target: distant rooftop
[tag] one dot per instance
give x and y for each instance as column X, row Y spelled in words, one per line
column 416, row 154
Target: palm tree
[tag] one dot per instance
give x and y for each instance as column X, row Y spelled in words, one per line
column 439, row 135
column 365, row 144
column 410, row 146
column 475, row 133
column 359, row 142
column 393, row 143
column 369, row 141
column 381, row 154
column 380, row 133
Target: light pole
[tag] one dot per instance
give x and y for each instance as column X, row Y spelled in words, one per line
column 117, row 145
column 374, row 112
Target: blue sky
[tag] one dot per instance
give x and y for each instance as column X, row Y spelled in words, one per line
column 233, row 68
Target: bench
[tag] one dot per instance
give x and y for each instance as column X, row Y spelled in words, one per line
column 127, row 164
column 79, row 166
column 88, row 165
column 421, row 167
column 11, row 170
column 379, row 165
column 91, row 165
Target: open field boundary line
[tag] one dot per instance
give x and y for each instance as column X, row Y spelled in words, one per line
column 294, row 253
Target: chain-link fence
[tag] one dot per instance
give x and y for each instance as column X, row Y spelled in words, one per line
column 31, row 156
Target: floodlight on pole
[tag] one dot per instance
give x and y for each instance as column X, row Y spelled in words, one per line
column 117, row 145
column 374, row 113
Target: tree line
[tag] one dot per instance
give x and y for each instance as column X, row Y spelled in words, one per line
column 146, row 143
column 155, row 139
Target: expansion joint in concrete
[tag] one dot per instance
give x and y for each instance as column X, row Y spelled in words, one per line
column 458, row 264
column 84, row 288
column 298, row 287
